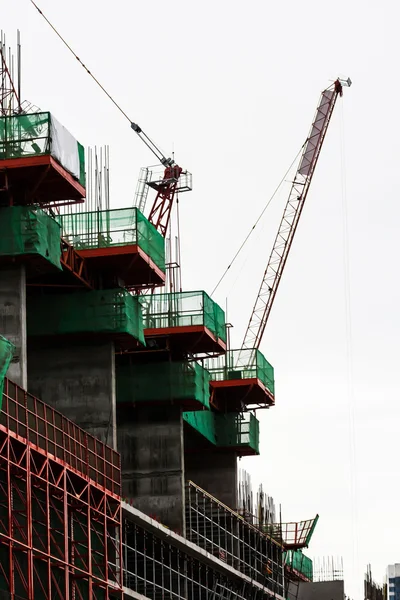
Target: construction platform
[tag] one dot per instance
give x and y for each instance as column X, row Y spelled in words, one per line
column 121, row 244
column 40, row 161
column 241, row 380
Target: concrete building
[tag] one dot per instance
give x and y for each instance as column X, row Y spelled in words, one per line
column 393, row 581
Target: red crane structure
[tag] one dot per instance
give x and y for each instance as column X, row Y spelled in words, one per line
column 291, row 215
column 166, row 187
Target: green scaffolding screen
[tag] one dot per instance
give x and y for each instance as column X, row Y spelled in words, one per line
column 99, row 311
column 295, row 559
column 37, row 134
column 120, row 227
column 183, row 309
column 163, row 381
column 226, row 430
column 6, row 354
column 27, row 230
column 242, row 364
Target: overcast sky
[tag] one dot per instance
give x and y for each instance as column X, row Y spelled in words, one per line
column 232, row 87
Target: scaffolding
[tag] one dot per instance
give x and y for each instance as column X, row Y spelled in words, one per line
column 40, row 134
column 112, row 312
column 242, row 364
column 229, row 537
column 183, row 309
column 159, row 565
column 29, row 231
column 175, row 382
column 111, row 229
column 60, row 525
column 239, row 432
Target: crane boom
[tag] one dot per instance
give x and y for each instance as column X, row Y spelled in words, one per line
column 291, row 216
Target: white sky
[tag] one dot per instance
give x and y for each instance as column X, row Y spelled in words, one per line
column 232, row 88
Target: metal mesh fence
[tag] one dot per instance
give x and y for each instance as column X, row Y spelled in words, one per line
column 27, row 231
column 242, row 364
column 183, row 309
column 107, row 228
column 98, row 311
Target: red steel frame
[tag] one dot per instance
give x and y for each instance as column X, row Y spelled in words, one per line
column 160, row 212
column 60, row 506
column 76, row 191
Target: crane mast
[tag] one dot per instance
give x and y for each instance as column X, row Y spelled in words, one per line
column 291, row 216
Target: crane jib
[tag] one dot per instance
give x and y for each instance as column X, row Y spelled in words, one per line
column 293, row 209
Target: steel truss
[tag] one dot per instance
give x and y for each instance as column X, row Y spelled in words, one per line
column 60, row 530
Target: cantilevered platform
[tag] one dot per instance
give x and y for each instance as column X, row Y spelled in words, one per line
column 161, row 383
column 127, row 263
column 189, row 322
column 210, row 432
column 38, row 179
column 88, row 316
column 195, row 339
column 241, row 380
column 121, row 244
column 40, row 161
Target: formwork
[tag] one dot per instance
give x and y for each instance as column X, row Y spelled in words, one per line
column 231, row 431
column 27, row 231
column 241, row 377
column 101, row 312
column 42, row 159
column 121, row 243
column 60, row 508
column 191, row 321
column 184, row 383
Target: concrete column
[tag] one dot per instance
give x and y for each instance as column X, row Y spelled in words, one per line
column 79, row 381
column 13, row 320
column 216, row 472
column 150, row 440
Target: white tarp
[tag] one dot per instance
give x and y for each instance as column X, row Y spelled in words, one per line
column 64, row 148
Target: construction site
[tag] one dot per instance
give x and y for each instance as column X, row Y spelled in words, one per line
column 124, row 407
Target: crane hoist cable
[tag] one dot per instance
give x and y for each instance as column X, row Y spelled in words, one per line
column 143, row 136
column 257, row 221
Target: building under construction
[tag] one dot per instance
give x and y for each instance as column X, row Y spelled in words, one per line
column 124, row 407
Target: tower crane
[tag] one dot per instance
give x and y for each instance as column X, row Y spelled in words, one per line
column 166, row 187
column 291, row 215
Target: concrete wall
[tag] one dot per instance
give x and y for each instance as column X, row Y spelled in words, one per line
column 150, row 440
column 79, row 381
column 216, row 473
column 13, row 320
column 321, row 590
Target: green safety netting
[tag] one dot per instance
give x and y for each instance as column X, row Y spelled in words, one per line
column 27, row 230
column 40, row 133
column 163, row 381
column 242, row 364
column 183, row 309
column 119, row 227
column 6, row 354
column 298, row 561
column 226, row 430
column 99, row 311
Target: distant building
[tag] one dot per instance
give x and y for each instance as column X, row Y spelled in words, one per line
column 372, row 590
column 393, row 582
